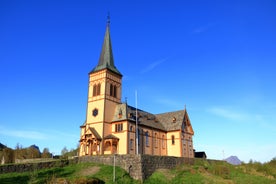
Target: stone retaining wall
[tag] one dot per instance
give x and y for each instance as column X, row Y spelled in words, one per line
column 139, row 167
column 130, row 163
column 152, row 163
column 26, row 167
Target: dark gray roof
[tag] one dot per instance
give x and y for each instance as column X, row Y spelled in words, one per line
column 110, row 136
column 145, row 118
column 95, row 133
column 171, row 120
column 106, row 60
column 200, row 154
column 166, row 121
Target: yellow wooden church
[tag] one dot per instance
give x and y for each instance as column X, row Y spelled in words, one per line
column 110, row 126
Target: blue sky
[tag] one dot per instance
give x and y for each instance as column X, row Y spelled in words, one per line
column 215, row 57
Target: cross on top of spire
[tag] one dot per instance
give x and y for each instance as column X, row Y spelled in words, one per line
column 108, row 18
column 106, row 60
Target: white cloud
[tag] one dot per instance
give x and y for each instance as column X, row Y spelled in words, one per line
column 23, row 134
column 58, row 134
column 229, row 114
column 153, row 65
column 36, row 135
column 262, row 120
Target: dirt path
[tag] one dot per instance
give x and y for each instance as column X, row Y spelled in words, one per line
column 89, row 171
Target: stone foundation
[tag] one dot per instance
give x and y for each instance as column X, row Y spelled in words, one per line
column 27, row 167
column 139, row 167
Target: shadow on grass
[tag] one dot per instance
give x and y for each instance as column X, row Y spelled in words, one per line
column 44, row 175
column 18, row 179
column 36, row 176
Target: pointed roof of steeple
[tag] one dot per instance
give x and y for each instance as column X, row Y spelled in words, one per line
column 106, row 60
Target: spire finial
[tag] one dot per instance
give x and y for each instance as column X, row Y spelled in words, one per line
column 108, row 18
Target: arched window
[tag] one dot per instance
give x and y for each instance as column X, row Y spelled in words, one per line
column 94, row 90
column 155, row 140
column 138, row 136
column 111, row 90
column 115, row 91
column 147, row 138
column 131, row 144
column 163, row 141
column 173, row 141
column 99, row 89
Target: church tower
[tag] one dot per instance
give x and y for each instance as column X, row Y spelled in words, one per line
column 104, row 93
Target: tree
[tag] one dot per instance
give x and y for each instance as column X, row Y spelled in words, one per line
column 64, row 151
column 46, row 153
column 32, row 152
column 8, row 155
column 18, row 146
column 18, row 152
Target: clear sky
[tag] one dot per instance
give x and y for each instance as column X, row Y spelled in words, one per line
column 216, row 57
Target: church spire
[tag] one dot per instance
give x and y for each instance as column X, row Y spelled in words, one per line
column 106, row 60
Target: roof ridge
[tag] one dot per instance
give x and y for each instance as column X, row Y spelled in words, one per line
column 170, row 112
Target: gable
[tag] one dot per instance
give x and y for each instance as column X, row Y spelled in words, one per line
column 93, row 133
column 187, row 124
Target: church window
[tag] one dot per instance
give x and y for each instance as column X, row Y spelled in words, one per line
column 98, row 89
column 131, row 144
column 173, row 141
column 155, row 140
column 115, row 91
column 131, row 128
column 174, row 119
column 147, row 138
column 95, row 112
column 95, row 90
column 163, row 141
column 138, row 136
column 111, row 90
column 118, row 127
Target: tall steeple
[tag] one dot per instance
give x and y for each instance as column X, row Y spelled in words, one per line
column 106, row 60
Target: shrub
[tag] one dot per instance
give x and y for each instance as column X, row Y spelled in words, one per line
column 222, row 171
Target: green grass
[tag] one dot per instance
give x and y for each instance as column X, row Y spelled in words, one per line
column 77, row 173
column 203, row 171
column 209, row 172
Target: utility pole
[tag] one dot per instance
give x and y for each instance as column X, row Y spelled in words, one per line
column 114, row 165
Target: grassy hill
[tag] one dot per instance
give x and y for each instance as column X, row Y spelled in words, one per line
column 209, row 172
column 203, row 171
